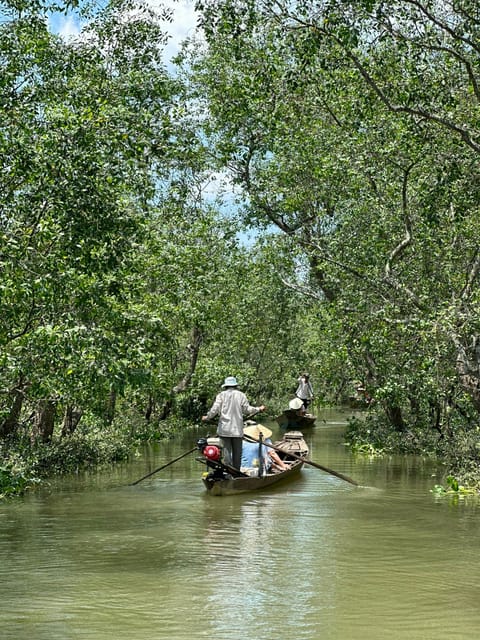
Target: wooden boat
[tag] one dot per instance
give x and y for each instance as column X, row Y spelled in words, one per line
column 290, row 419
column 223, row 480
column 359, row 402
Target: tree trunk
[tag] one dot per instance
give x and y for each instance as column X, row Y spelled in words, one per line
column 10, row 424
column 435, row 412
column 111, row 406
column 150, row 408
column 468, row 371
column 44, row 422
column 193, row 350
column 71, row 420
column 166, row 409
column 394, row 415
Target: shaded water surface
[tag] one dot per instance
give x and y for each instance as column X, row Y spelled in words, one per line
column 93, row 558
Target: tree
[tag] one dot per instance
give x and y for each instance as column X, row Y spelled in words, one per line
column 85, row 130
column 352, row 133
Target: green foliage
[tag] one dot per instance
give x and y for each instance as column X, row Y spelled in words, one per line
column 84, row 139
column 24, row 466
column 161, row 429
column 15, row 475
column 372, row 434
column 351, row 144
column 366, row 449
column 80, row 451
column 454, row 488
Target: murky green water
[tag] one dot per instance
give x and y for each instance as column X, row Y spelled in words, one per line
column 97, row 559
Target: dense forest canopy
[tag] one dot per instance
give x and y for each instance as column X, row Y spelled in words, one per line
column 347, row 134
column 353, row 129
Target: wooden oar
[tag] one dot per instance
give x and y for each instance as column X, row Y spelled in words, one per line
column 163, row 467
column 313, row 464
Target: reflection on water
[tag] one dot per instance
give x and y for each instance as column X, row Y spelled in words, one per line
column 94, row 558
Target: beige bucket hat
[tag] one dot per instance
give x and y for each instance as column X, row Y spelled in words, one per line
column 295, row 404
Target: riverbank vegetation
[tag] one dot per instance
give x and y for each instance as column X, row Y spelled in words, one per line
column 298, row 190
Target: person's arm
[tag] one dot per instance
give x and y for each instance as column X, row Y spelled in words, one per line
column 276, row 459
column 274, row 455
column 214, row 409
column 248, row 409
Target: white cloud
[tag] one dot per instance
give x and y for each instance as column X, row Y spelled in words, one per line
column 182, row 26
column 184, row 17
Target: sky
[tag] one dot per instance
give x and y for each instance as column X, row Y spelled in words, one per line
column 182, row 26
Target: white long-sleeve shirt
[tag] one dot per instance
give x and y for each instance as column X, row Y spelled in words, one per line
column 231, row 405
column 305, row 389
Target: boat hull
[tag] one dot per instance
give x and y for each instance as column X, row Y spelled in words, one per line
column 244, row 484
column 224, row 480
column 289, row 420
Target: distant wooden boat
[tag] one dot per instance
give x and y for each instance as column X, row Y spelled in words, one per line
column 359, row 401
column 290, row 419
column 223, row 480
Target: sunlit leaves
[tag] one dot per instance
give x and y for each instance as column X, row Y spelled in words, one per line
column 84, row 125
column 353, row 129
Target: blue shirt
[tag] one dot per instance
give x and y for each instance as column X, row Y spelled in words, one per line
column 250, row 458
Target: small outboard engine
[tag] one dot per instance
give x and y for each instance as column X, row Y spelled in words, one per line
column 211, row 448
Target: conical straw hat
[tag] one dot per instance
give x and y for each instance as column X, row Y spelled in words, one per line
column 257, row 430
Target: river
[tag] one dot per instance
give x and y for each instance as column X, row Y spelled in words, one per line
column 94, row 558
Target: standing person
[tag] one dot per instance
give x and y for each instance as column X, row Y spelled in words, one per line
column 231, row 405
column 304, row 390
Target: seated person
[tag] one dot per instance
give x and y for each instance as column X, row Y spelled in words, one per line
column 297, row 406
column 293, row 415
column 251, row 450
